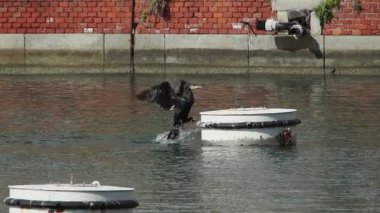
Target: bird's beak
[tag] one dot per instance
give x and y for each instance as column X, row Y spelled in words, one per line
column 195, row 87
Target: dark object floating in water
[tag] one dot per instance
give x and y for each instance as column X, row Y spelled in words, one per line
column 181, row 101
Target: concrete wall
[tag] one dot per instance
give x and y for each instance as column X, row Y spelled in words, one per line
column 99, row 53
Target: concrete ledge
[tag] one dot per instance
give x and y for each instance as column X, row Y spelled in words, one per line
column 344, row 43
column 12, row 57
column 294, row 4
column 12, row 41
column 98, row 53
column 207, row 50
column 58, row 50
column 91, row 42
column 195, row 41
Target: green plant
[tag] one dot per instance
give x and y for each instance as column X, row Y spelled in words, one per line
column 326, row 10
column 156, row 7
column 357, row 6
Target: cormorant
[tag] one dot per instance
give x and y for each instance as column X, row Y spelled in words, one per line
column 181, row 102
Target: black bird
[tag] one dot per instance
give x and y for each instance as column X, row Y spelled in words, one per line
column 181, row 102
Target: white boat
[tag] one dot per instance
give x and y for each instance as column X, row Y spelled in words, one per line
column 70, row 198
column 248, row 126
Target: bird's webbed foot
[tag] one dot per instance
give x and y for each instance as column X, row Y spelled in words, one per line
column 190, row 119
column 173, row 134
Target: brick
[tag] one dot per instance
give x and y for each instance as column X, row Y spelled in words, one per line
column 222, row 9
column 7, row 25
column 78, row 9
column 227, row 4
column 174, row 31
column 237, row 15
column 227, row 15
column 213, row 9
column 356, row 32
column 21, row 30
column 198, row 15
column 13, row 30
column 222, row 31
column 31, row 20
column 366, row 32
column 203, row 31
column 242, row 9
column 222, row 20
column 178, row 15
column 183, row 9
column 208, row 15
column 31, row 30
column 184, row 31
column 218, row 15
column 183, row 20
column 188, row 15
column 204, row 9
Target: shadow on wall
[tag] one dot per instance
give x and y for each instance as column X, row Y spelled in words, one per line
column 288, row 43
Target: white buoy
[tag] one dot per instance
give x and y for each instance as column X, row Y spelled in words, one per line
column 70, row 198
column 248, row 126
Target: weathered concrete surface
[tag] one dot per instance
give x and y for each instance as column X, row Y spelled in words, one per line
column 207, row 54
column 12, row 53
column 149, row 52
column 354, row 55
column 301, row 55
column 98, row 53
column 57, row 51
column 294, row 4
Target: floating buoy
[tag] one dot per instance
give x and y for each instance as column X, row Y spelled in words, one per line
column 248, row 126
column 70, row 198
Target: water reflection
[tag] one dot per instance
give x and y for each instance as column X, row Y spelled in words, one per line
column 91, row 126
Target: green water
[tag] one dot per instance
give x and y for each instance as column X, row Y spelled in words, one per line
column 91, row 126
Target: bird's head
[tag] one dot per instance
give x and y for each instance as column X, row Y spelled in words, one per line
column 185, row 84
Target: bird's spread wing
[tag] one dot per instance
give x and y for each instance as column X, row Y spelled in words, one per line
column 162, row 94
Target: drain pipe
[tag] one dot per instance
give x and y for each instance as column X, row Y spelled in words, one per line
column 294, row 28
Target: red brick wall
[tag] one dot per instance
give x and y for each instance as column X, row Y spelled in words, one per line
column 113, row 16
column 209, row 16
column 349, row 22
column 64, row 16
column 187, row 16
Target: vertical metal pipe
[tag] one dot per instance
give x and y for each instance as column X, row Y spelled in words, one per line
column 248, row 51
column 132, row 42
column 165, row 53
column 322, row 23
column 324, row 54
column 24, row 53
column 104, row 53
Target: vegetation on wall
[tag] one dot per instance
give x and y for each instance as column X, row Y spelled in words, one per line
column 357, row 6
column 158, row 8
column 326, row 10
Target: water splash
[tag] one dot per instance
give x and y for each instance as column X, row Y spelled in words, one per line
column 184, row 136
